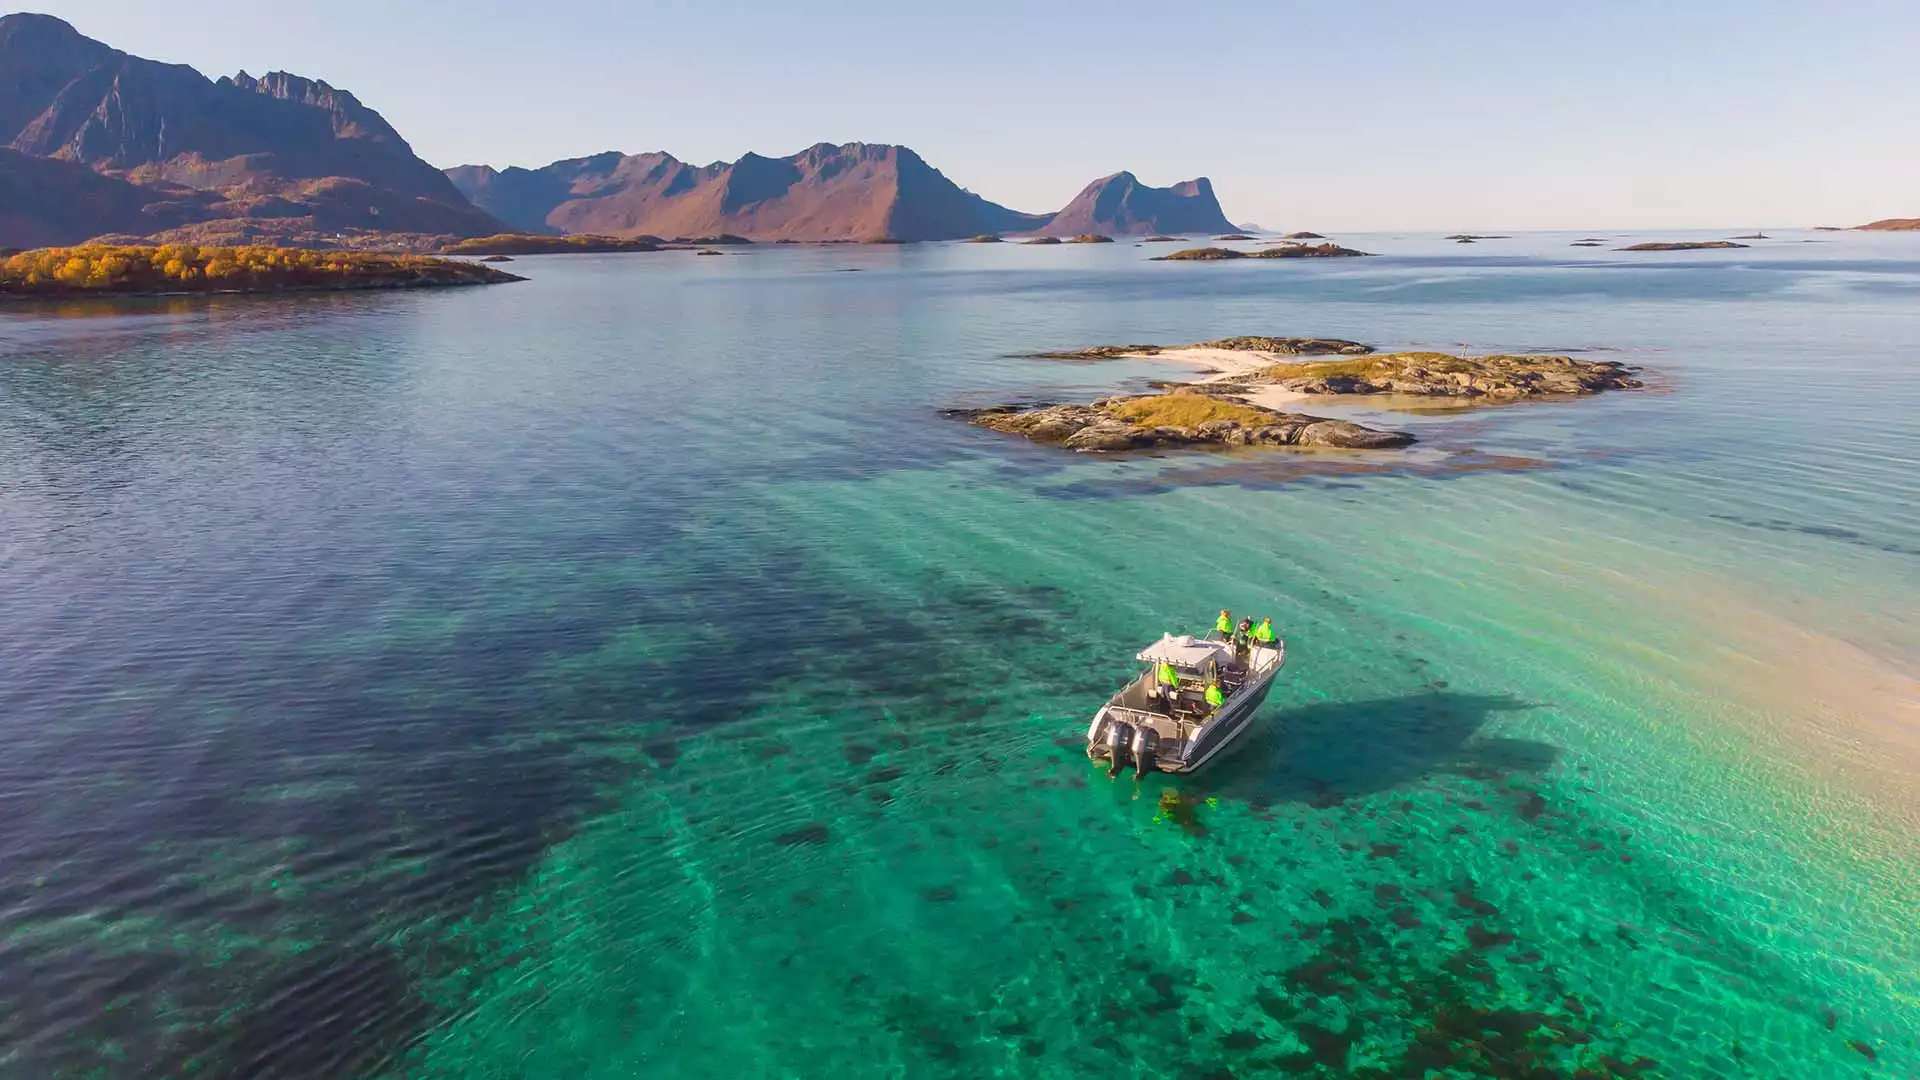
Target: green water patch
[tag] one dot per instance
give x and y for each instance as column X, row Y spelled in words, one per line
column 1460, row 842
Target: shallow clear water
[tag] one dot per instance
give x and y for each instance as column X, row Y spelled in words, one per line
column 630, row 673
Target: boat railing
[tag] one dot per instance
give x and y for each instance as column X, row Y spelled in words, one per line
column 1134, row 716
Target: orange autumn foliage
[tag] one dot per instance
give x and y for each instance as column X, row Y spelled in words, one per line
column 103, row 268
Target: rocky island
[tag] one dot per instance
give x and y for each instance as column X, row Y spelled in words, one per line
column 1254, row 383
column 1434, row 374
column 1152, row 421
column 1278, row 251
column 1257, row 367
column 104, row 270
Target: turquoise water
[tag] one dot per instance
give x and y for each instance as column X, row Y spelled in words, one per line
column 630, row 673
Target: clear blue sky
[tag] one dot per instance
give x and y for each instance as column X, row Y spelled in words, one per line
column 1384, row 115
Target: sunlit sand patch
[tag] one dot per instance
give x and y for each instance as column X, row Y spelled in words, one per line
column 1849, row 714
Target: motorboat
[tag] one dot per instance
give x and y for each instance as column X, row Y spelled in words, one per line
column 1175, row 730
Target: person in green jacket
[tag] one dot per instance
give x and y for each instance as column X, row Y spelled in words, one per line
column 1263, row 633
column 1215, row 697
column 1224, row 624
column 1168, row 681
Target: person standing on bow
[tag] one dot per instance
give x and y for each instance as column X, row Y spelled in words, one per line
column 1224, row 624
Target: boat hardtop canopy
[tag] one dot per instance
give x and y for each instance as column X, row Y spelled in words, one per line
column 1186, row 652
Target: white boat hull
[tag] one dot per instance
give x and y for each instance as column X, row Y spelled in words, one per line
column 1131, row 730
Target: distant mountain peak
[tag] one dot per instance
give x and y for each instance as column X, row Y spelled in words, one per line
column 1121, row 204
column 30, row 25
column 281, row 149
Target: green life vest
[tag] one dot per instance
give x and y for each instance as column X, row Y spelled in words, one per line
column 1264, row 632
column 1223, row 624
column 1167, row 675
column 1214, row 696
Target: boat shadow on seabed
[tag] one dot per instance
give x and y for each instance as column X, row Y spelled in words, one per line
column 1326, row 753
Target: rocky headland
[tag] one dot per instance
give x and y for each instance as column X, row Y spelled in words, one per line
column 1278, row 251
column 1304, row 236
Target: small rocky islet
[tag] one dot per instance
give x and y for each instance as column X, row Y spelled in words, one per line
column 1213, row 413
column 1284, row 346
column 1277, row 251
column 1179, row 418
column 1495, row 377
column 1687, row 245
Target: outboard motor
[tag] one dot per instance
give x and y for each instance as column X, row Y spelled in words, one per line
column 1097, row 736
column 1145, row 740
column 1118, row 736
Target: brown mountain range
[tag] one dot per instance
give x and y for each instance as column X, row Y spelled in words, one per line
column 1892, row 225
column 857, row 191
column 104, row 142
column 98, row 144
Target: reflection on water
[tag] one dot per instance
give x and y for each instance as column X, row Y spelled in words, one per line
column 629, row 673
